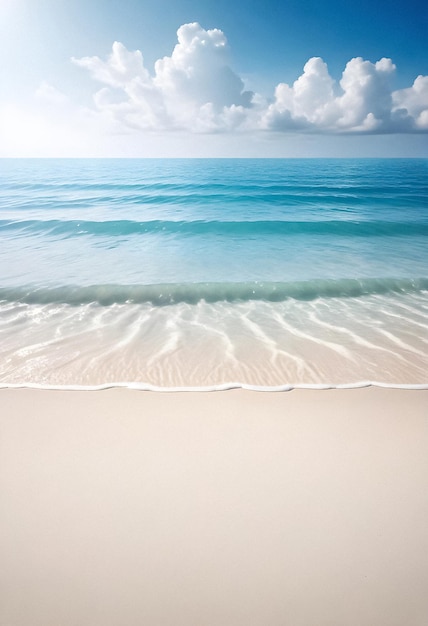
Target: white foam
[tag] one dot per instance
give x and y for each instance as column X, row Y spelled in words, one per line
column 210, row 388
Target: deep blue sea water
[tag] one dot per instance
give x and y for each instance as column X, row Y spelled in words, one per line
column 202, row 272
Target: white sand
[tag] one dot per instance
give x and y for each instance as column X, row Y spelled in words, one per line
column 127, row 508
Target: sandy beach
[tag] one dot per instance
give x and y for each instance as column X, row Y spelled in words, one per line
column 302, row 508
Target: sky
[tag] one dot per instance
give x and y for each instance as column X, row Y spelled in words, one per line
column 213, row 78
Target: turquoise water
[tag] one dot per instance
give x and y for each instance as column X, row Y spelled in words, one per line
column 120, row 270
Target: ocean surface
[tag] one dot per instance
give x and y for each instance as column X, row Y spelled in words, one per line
column 213, row 272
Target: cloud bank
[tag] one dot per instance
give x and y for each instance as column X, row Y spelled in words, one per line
column 195, row 89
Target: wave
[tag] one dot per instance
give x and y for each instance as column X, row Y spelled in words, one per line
column 348, row 228
column 231, row 186
column 192, row 293
column 229, row 197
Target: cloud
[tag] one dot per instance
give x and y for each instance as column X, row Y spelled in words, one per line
column 195, row 89
column 121, row 68
column 411, row 105
column 51, row 124
column 50, row 95
column 362, row 102
column 307, row 103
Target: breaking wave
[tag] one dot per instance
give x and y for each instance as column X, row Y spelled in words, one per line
column 192, row 293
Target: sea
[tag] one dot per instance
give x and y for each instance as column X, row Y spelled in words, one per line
column 213, row 273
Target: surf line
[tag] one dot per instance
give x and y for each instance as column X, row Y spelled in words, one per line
column 223, row 387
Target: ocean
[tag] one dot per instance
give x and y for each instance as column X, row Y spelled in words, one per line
column 213, row 273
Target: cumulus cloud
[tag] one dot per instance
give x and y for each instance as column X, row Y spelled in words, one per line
column 411, row 105
column 193, row 88
column 196, row 89
column 362, row 101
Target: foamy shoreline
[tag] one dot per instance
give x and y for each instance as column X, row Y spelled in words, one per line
column 223, row 387
column 125, row 507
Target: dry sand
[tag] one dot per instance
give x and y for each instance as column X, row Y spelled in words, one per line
column 127, row 508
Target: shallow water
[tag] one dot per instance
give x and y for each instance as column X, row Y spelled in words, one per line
column 207, row 272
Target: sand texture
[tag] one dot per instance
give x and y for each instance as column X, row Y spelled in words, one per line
column 237, row 508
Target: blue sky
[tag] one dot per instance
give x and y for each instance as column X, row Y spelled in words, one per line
column 248, row 78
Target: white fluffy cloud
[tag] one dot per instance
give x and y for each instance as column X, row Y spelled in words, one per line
column 411, row 105
column 362, row 102
column 195, row 89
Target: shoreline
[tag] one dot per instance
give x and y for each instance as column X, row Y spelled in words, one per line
column 219, row 387
column 213, row 346
column 181, row 509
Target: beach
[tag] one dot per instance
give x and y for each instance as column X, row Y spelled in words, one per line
column 213, row 392
column 234, row 508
